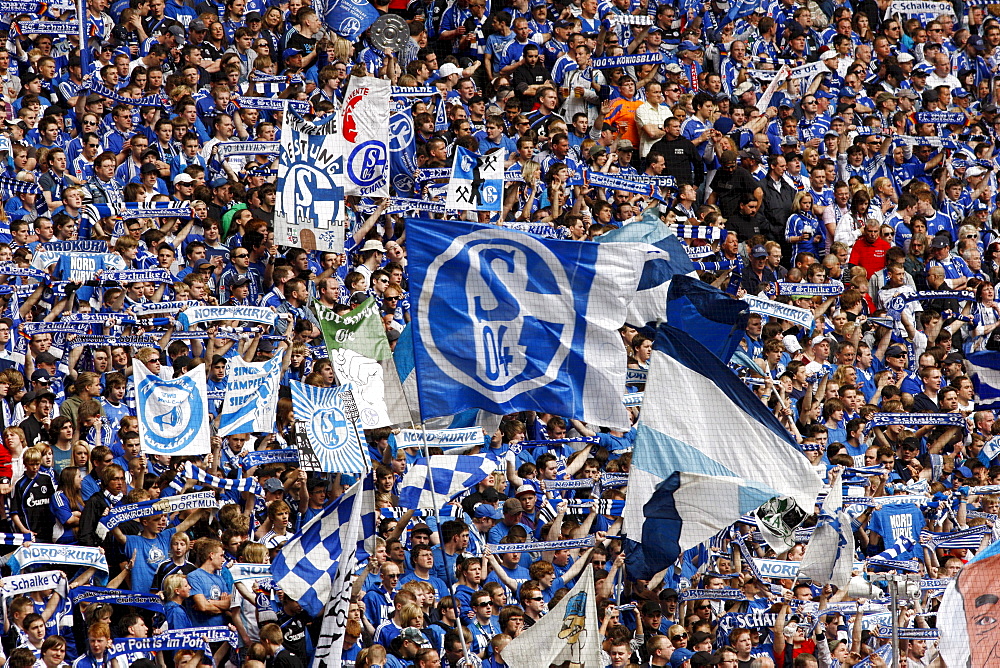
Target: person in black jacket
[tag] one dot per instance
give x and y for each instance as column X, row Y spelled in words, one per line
column 683, row 162
column 778, row 196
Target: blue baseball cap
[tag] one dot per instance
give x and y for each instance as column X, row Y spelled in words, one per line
column 960, row 92
column 826, row 94
column 679, row 656
column 486, row 510
column 289, row 53
column 688, row 45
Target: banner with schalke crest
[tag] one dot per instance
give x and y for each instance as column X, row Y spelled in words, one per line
column 251, row 396
column 506, row 321
column 173, row 414
column 476, row 182
column 333, row 427
column 347, row 18
column 309, row 210
column 364, row 128
column 402, row 149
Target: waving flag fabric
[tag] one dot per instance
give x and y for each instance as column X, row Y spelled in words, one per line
column 691, row 475
column 428, row 484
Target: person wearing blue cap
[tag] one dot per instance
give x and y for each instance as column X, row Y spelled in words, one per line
column 681, row 658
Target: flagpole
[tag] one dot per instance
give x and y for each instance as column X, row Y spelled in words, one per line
column 448, row 574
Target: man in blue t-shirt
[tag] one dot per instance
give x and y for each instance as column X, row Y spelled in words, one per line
column 151, row 547
column 209, row 592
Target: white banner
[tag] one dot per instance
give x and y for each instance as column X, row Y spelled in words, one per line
column 368, row 381
column 309, row 211
column 568, row 633
column 447, row 439
column 909, row 7
column 364, row 128
column 332, row 426
column 251, row 396
column 173, row 414
column 809, row 70
column 760, row 306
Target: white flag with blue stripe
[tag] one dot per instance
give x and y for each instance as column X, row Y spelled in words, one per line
column 173, row 414
column 251, row 397
column 829, row 556
column 316, row 565
column 507, row 321
column 706, row 452
column 428, row 484
column 333, row 426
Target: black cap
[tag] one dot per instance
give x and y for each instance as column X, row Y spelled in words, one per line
column 895, row 351
column 148, row 168
column 240, row 282
column 46, row 358
column 704, row 659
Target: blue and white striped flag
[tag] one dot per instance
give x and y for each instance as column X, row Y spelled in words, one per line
column 968, row 539
column 316, row 565
column 690, row 478
column 429, row 485
column 891, row 557
column 984, row 369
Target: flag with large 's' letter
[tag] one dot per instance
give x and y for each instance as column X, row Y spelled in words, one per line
column 507, row 321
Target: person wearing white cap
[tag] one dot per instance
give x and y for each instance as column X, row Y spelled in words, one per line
column 372, row 253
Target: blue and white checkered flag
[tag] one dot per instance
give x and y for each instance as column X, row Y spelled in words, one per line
column 306, row 568
column 444, row 478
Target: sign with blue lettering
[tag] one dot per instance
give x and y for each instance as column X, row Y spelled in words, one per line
column 309, row 210
column 251, row 396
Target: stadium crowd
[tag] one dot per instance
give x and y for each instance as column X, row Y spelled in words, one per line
column 838, row 146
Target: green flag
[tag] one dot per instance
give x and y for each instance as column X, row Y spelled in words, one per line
column 360, row 330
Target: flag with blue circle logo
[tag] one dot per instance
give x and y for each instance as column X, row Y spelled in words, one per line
column 402, row 149
column 364, row 130
column 476, row 182
column 507, row 321
column 251, row 396
column 333, row 427
column 173, row 414
column 309, row 209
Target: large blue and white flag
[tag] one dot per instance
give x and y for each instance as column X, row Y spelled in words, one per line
column 706, row 452
column 333, row 426
column 506, row 321
column 347, row 18
column 428, row 485
column 984, row 369
column 650, row 302
column 309, row 211
column 364, row 132
column 476, row 182
column 707, row 313
column 901, row 548
column 251, row 397
column 402, row 149
column 829, row 557
column 173, row 414
column 316, row 565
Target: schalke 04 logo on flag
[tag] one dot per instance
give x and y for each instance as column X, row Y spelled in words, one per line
column 476, row 182
column 332, row 425
column 507, row 321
